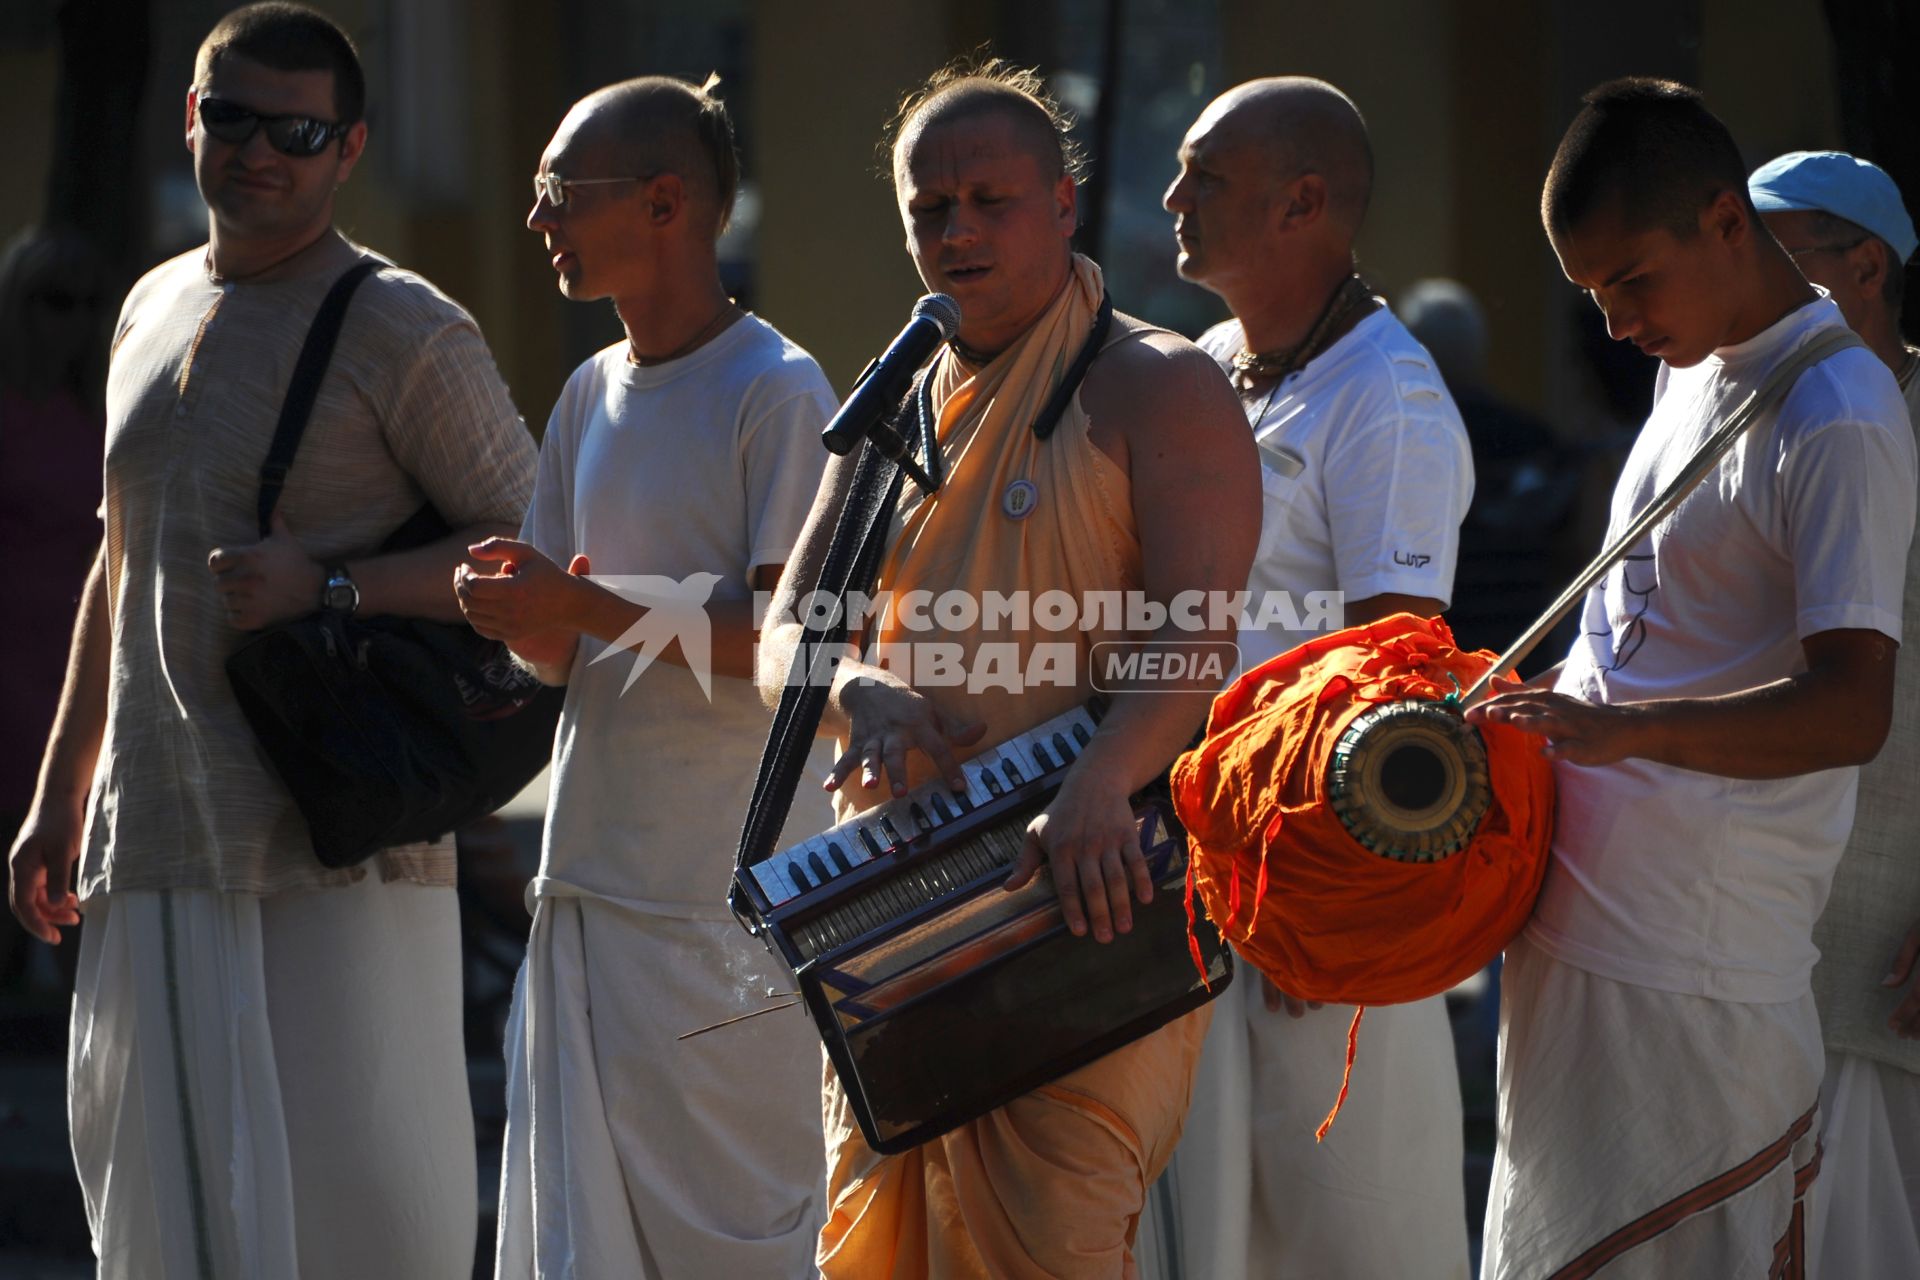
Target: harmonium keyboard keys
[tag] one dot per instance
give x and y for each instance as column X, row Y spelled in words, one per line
column 983, row 782
column 945, row 806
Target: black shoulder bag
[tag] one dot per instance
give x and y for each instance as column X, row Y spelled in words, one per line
column 386, row 731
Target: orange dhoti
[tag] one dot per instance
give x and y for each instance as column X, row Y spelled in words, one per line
column 1052, row 1184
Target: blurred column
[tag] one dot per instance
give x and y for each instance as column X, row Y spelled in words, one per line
column 832, row 264
column 466, row 114
column 93, row 180
column 1503, row 140
column 1394, row 58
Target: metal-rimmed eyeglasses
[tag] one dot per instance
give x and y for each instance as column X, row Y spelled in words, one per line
column 554, row 187
column 1838, row 246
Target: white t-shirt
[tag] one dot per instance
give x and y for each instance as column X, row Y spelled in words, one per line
column 1366, row 476
column 1685, row 881
column 704, row 465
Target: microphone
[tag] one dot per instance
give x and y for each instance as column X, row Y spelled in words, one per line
column 936, row 318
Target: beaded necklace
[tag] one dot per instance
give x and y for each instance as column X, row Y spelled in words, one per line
column 1251, row 367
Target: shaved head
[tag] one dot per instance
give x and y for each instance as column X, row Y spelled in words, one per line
column 657, row 124
column 1304, row 126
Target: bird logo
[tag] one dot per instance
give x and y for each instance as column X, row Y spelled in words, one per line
column 675, row 610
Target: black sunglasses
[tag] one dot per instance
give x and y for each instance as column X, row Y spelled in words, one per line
column 299, row 136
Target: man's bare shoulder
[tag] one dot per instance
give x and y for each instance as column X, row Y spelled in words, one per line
column 1146, row 376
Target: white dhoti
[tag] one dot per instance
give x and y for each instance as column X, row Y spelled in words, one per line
column 1648, row 1133
column 273, row 1087
column 1866, row 1220
column 1251, row 1194
column 632, row 1154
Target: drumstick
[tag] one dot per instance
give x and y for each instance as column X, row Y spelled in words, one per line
column 715, row 1026
column 1775, row 386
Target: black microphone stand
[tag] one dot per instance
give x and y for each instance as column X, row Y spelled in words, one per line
column 851, row 564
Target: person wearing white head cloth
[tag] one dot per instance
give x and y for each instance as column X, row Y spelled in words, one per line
column 1842, row 221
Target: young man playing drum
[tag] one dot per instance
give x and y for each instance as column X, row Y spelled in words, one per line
column 1146, row 483
column 1660, row 1056
column 1366, row 475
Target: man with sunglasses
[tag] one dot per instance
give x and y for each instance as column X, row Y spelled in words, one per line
column 264, row 1048
column 683, row 457
column 1844, row 225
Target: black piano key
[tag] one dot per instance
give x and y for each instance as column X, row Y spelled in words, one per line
column 938, row 803
column 1062, row 750
column 839, row 856
column 920, row 817
column 991, row 783
column 892, row 833
column 798, row 874
column 818, row 865
column 1040, row 754
column 1081, row 736
column 1011, row 769
column 874, row 847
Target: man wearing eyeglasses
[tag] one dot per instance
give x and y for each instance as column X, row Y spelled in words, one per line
column 1843, row 223
column 268, row 1069
column 682, row 461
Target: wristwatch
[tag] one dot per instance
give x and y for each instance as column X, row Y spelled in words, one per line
column 339, row 595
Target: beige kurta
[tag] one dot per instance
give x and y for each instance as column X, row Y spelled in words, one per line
column 1053, row 1183
column 412, row 410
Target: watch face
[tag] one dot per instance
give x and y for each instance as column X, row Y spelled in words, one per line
column 341, row 595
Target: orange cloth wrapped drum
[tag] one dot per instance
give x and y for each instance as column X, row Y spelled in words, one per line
column 1353, row 837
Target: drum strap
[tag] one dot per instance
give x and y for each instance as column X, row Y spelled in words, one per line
column 1772, row 389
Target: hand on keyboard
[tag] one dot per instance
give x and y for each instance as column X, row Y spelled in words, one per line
column 1090, row 839
column 886, row 719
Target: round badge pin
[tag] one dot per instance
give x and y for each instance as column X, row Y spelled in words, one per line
column 1020, row 499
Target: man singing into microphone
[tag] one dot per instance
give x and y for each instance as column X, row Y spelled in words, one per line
column 1147, row 484
column 680, row 460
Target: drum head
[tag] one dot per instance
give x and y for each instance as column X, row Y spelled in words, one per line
column 1409, row 780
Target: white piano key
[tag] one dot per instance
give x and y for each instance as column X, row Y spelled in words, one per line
column 767, row 876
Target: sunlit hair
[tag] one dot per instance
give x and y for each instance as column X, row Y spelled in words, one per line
column 34, row 264
column 667, row 111
column 1649, row 149
column 980, row 81
column 715, row 130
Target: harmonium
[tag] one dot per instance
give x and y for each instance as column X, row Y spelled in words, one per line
column 940, row 995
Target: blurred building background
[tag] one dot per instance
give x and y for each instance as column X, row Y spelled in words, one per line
column 1465, row 99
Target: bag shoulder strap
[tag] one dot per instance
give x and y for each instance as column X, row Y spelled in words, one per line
column 304, row 388
column 1774, row 388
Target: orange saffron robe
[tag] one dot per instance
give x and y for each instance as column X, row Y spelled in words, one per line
column 1053, row 1183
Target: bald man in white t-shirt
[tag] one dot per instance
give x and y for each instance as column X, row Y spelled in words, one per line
column 1366, row 475
column 677, row 469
